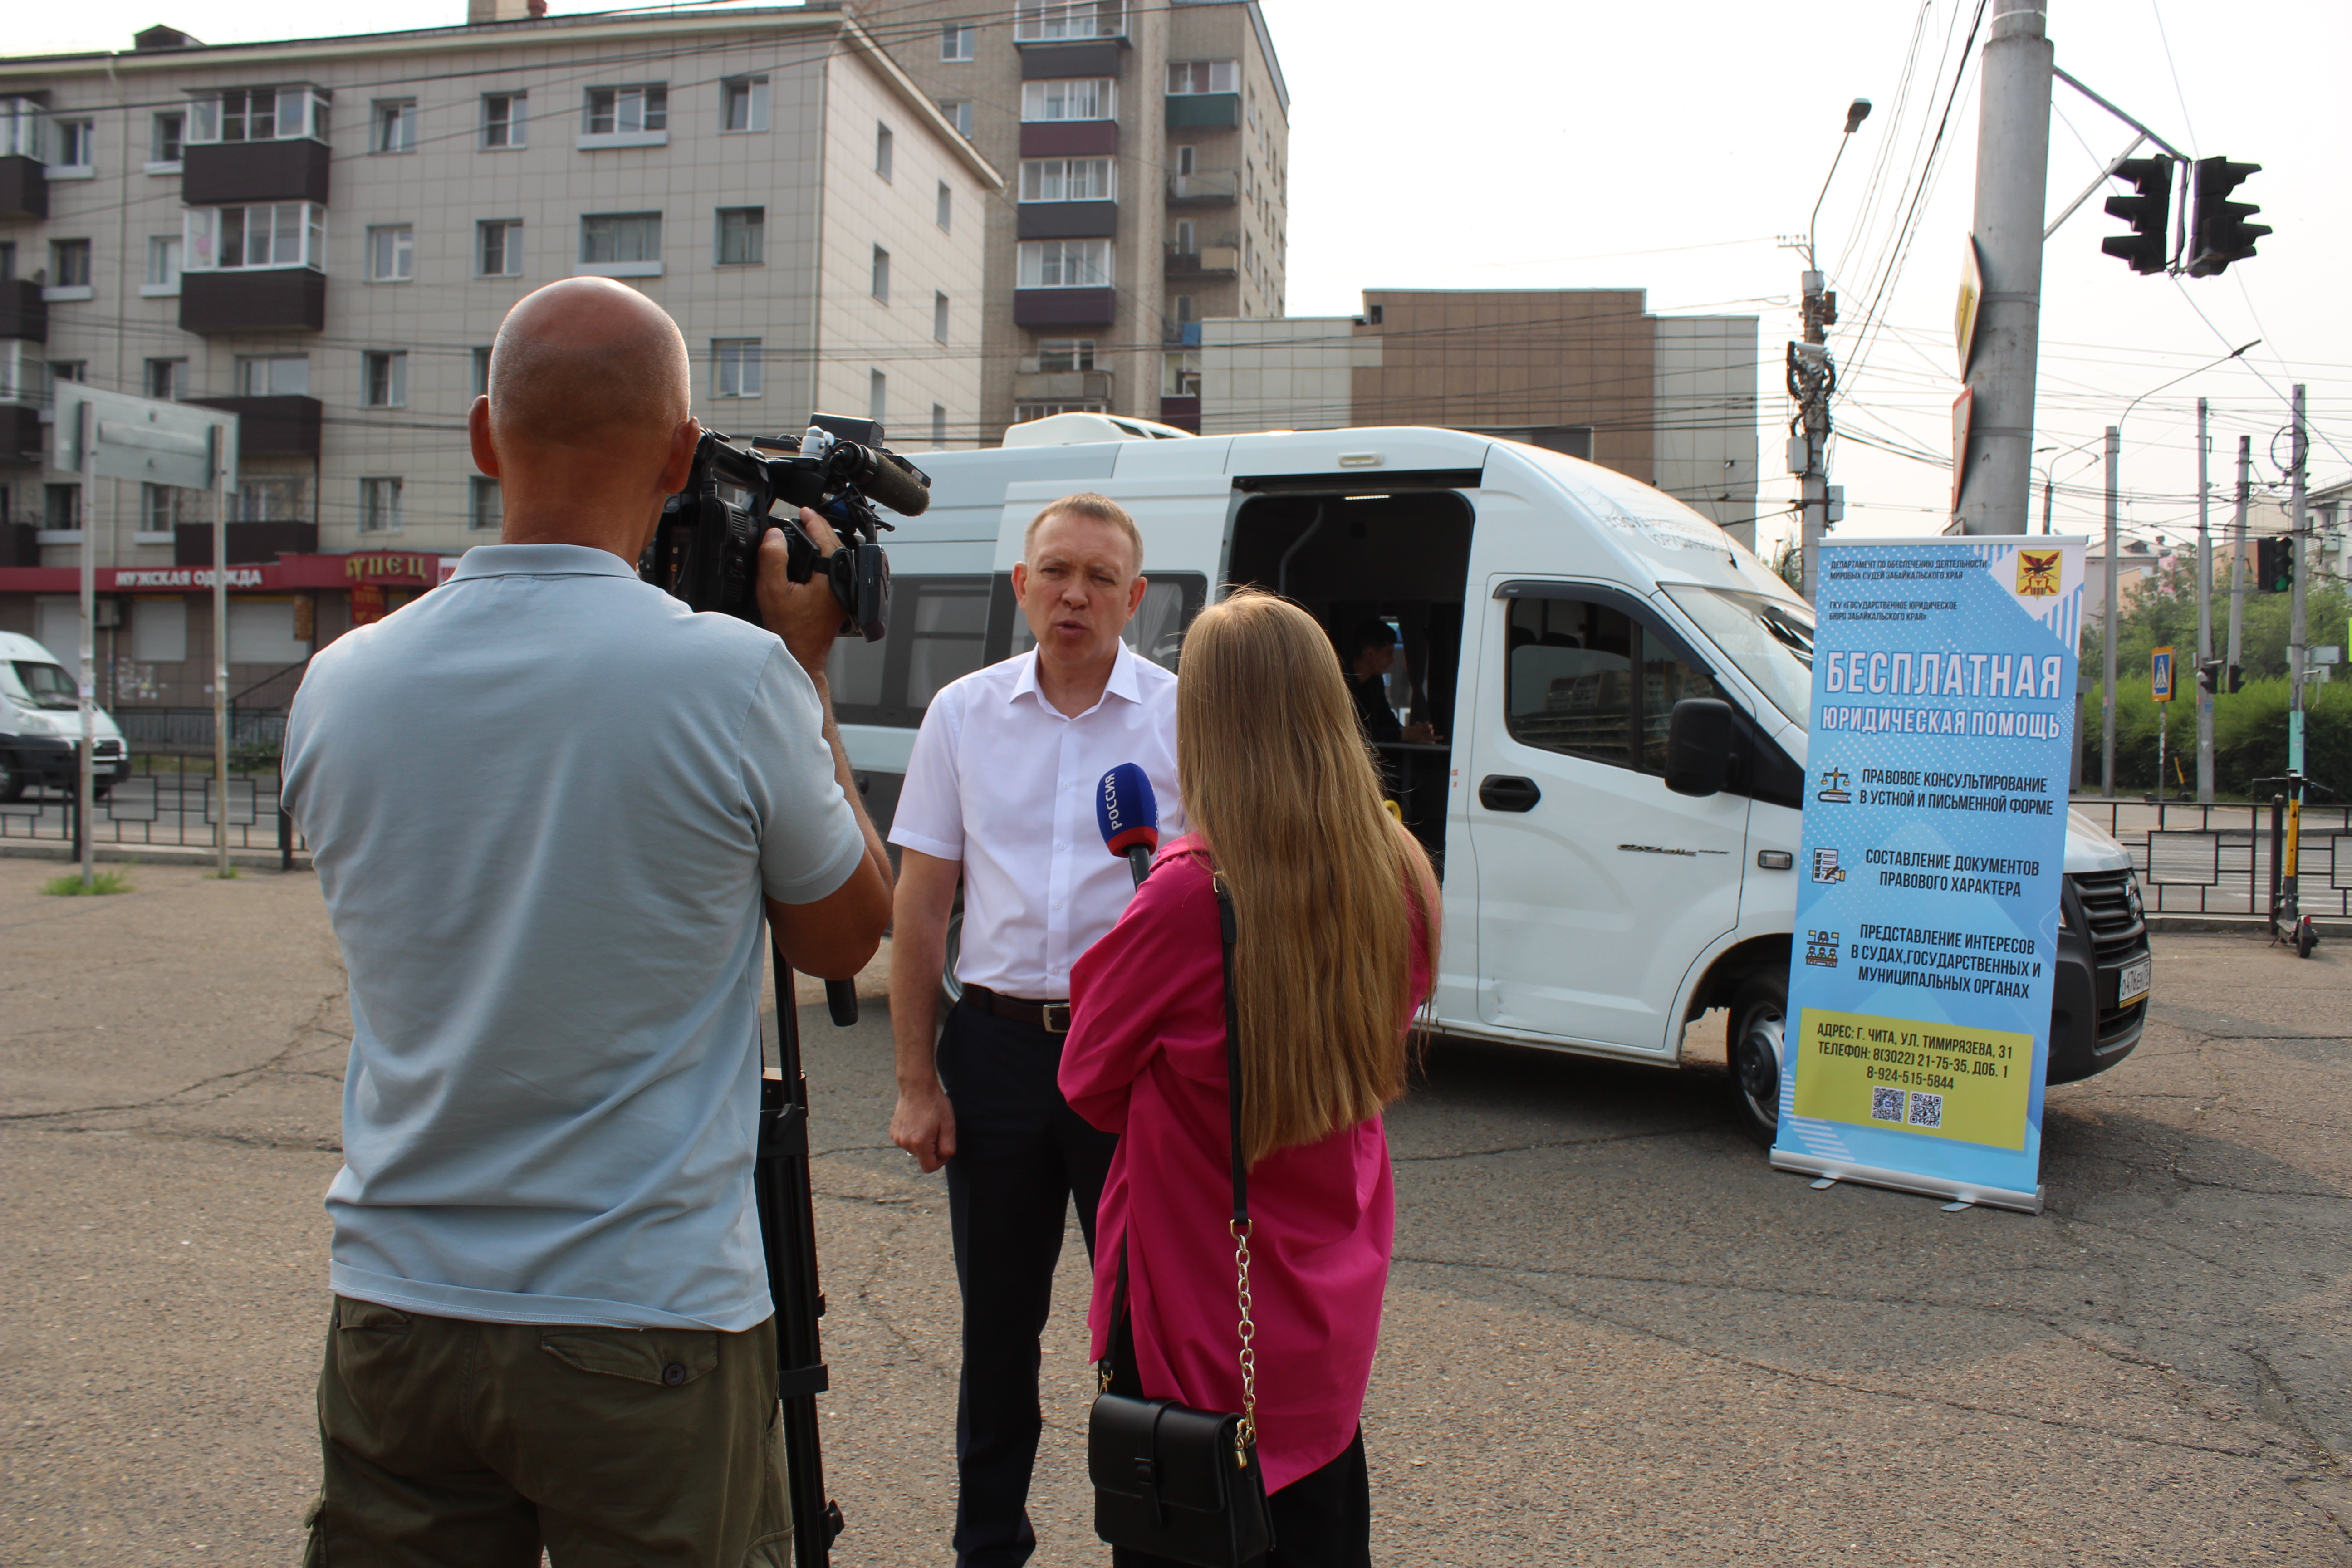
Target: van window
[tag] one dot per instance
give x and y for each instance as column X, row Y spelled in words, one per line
column 951, row 627
column 1666, row 679
column 938, row 629
column 45, row 684
column 1572, row 688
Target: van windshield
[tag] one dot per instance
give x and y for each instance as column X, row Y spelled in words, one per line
column 45, row 684
column 1769, row 639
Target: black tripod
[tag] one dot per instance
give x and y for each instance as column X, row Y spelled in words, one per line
column 780, row 1180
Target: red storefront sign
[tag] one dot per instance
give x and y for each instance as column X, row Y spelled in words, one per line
column 375, row 569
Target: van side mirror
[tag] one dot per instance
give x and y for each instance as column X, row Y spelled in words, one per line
column 1698, row 746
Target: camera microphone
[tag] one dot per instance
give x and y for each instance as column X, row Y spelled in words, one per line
column 890, row 480
column 1128, row 815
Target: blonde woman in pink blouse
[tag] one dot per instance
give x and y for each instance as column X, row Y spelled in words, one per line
column 1338, row 915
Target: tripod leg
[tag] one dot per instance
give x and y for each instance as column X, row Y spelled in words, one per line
column 788, row 1233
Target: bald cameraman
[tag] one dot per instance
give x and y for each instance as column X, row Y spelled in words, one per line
column 549, row 806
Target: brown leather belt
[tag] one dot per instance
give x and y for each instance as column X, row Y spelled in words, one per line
column 1054, row 1017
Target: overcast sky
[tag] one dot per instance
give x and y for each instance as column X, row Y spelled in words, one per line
column 1530, row 144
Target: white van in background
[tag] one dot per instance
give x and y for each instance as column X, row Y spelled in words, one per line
column 40, row 725
column 1551, row 614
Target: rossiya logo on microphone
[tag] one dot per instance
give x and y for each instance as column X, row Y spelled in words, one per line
column 1111, row 825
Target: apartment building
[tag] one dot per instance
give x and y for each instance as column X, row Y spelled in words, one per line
column 1148, row 147
column 1669, row 400
column 323, row 234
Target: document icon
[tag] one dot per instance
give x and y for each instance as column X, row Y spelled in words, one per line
column 1825, row 866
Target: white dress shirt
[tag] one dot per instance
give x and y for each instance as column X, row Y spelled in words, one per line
column 1004, row 781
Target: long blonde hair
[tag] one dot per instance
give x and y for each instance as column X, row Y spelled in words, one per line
column 1280, row 785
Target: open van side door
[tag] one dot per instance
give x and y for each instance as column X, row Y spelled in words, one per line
column 1597, row 886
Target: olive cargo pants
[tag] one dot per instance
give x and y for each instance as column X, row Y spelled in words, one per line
column 451, row 1444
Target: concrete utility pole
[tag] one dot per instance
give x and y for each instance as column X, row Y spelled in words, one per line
column 1812, row 379
column 87, row 784
column 2238, row 547
column 2107, row 623
column 2207, row 678
column 220, row 442
column 2013, row 185
column 2299, row 531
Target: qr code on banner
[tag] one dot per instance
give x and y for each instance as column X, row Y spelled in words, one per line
column 1887, row 1105
column 1926, row 1110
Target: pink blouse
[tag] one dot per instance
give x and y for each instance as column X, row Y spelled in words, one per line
column 1146, row 1059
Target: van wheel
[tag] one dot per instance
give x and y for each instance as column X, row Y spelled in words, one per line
column 11, row 783
column 950, row 988
column 1757, row 1049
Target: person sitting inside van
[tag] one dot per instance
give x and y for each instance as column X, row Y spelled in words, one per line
column 1368, row 655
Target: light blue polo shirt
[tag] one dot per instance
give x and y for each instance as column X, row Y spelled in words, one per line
column 544, row 800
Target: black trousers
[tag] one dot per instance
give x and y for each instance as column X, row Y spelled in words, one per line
column 1022, row 1156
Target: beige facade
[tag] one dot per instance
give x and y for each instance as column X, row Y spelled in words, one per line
column 749, row 170
column 1668, row 400
column 1183, row 185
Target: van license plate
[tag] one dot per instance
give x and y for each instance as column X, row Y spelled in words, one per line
column 2133, row 982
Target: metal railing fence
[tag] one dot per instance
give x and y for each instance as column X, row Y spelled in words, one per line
column 162, row 804
column 2215, row 860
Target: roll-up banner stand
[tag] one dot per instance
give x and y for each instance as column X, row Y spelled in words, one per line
column 1921, row 982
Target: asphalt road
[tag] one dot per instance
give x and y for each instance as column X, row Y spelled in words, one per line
column 1612, row 1334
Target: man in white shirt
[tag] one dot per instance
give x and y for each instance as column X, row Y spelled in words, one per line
column 1000, row 793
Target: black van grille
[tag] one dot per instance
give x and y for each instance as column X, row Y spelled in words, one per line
column 2116, row 933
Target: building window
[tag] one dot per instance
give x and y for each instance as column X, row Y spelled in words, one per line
column 391, row 253
column 743, row 104
column 279, row 233
column 69, row 370
column 881, row 275
column 735, row 367
column 1186, row 160
column 742, row 237
column 1185, row 242
column 167, row 379
column 1063, row 264
column 69, row 264
column 392, row 128
column 483, row 512
column 1065, row 353
column 1095, row 98
column 379, row 505
column 627, row 116
column 163, row 140
column 163, row 264
column 506, row 119
column 877, row 395
column 958, row 113
column 159, row 511
column 276, row 497
column 943, row 208
column 62, row 508
column 1180, row 376
column 383, row 378
column 481, row 382
column 940, row 317
column 1025, row 412
column 257, row 114
column 939, row 424
column 958, row 40
column 1187, row 77
column 1036, row 21
column 272, row 375
column 1182, row 304
column 498, row 248
column 76, row 145
column 621, row 245
column 882, row 143
column 1068, row 180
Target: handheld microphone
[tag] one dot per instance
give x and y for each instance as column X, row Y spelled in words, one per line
column 1128, row 815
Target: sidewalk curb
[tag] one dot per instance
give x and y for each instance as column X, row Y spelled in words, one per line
column 152, row 855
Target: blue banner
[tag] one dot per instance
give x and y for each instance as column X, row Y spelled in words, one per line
column 1924, row 967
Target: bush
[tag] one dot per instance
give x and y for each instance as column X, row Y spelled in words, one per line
column 69, row 885
column 2249, row 736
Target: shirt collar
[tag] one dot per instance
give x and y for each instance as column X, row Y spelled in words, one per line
column 1124, row 681
column 540, row 561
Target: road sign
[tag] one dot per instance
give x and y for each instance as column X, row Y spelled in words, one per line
column 142, row 438
column 1964, row 309
column 2159, row 675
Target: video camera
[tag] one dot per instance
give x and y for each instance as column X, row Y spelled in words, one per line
column 706, row 548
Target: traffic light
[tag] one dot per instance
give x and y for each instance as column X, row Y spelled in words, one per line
column 2219, row 233
column 2274, row 564
column 2209, row 675
column 2237, row 678
column 2148, row 247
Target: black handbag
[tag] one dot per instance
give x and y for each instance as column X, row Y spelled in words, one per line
column 1171, row 1481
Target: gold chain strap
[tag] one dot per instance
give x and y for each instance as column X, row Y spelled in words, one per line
column 1245, row 1434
